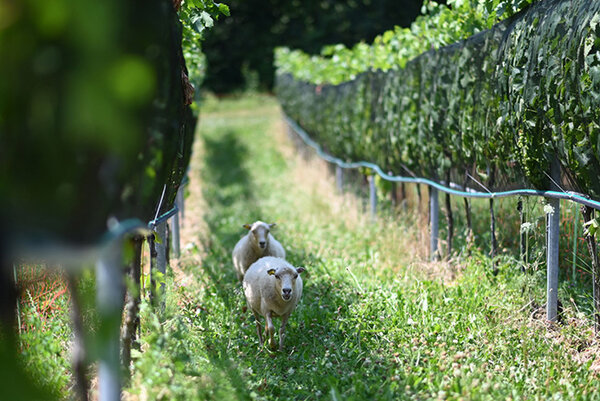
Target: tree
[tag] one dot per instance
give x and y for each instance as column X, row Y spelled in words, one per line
column 240, row 48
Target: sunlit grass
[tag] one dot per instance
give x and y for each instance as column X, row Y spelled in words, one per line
column 377, row 321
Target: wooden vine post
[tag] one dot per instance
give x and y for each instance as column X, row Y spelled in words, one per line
column 522, row 235
column 78, row 353
column 158, row 262
column 494, row 241
column 132, row 304
column 449, row 219
column 467, row 204
column 8, row 310
column 419, row 197
column 403, row 196
column 152, row 249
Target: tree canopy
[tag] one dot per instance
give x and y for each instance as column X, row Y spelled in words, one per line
column 239, row 49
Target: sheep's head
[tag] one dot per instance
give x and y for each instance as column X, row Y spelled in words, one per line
column 285, row 280
column 259, row 233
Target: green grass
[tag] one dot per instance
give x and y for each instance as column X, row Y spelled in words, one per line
column 42, row 368
column 375, row 321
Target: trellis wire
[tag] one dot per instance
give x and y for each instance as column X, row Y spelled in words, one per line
column 552, row 218
column 469, row 193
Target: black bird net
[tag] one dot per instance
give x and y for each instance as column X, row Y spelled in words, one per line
column 494, row 110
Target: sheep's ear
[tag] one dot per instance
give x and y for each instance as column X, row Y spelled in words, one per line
column 272, row 225
column 271, row 272
column 247, row 226
column 300, row 270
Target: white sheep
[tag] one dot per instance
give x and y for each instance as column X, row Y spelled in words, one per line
column 257, row 243
column 273, row 288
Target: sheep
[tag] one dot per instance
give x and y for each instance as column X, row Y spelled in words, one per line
column 273, row 288
column 257, row 243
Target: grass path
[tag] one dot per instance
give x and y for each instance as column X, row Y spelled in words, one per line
column 375, row 322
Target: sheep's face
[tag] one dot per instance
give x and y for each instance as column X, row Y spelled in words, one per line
column 260, row 233
column 285, row 280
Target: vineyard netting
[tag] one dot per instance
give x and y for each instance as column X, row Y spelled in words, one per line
column 494, row 110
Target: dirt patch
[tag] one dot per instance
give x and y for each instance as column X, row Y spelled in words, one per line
column 193, row 226
column 315, row 176
column 573, row 332
column 446, row 272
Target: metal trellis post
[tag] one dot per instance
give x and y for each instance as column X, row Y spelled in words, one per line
column 373, row 196
column 339, row 178
column 109, row 297
column 552, row 236
column 434, row 210
column 176, row 223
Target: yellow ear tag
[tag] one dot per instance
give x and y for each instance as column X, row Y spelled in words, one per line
column 271, row 272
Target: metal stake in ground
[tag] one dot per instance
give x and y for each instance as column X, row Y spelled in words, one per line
column 552, row 236
column 176, row 223
column 373, row 196
column 434, row 211
column 109, row 297
column 339, row 178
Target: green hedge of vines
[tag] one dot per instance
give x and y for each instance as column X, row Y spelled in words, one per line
column 500, row 104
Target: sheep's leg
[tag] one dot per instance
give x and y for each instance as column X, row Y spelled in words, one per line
column 270, row 329
column 284, row 320
column 257, row 320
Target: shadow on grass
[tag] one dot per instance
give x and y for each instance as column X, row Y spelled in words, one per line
column 322, row 326
column 228, row 190
column 228, row 186
column 224, row 165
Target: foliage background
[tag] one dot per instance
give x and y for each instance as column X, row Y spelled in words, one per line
column 507, row 100
column 239, row 49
